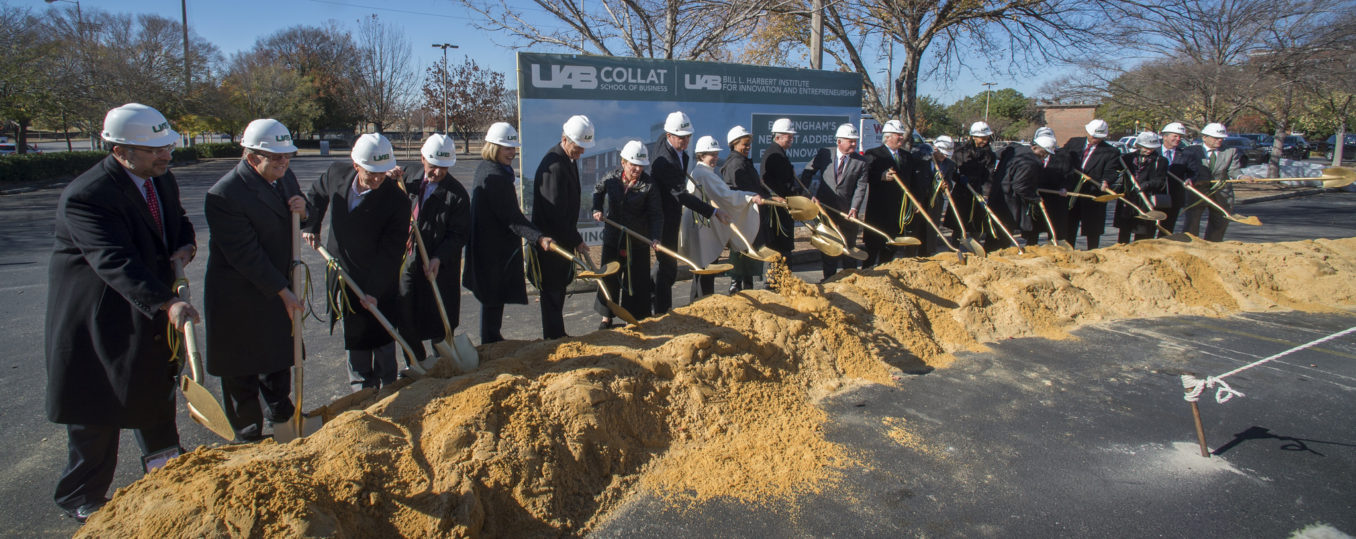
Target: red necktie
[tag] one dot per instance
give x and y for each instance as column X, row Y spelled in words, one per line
column 838, row 172
column 154, row 207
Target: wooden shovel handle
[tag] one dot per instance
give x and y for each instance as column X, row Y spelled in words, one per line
column 922, row 211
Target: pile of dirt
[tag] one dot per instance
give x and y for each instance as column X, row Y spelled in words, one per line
column 716, row 399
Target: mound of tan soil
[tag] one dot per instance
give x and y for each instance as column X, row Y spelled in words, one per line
column 714, row 399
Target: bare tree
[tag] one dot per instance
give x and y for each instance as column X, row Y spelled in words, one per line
column 948, row 35
column 473, row 94
column 1330, row 83
column 384, row 83
column 672, row 29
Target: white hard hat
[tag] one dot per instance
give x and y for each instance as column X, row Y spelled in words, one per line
column 1046, row 142
column 503, row 134
column 1043, row 130
column 737, row 132
column 268, row 135
column 440, row 150
column 579, row 130
column 707, row 144
column 1216, row 130
column 678, row 124
column 373, row 153
column 847, row 131
column 635, row 153
column 980, row 129
column 138, row 125
column 783, row 125
column 945, row 145
column 1097, row 128
column 893, row 126
column 1149, row 139
column 1175, row 127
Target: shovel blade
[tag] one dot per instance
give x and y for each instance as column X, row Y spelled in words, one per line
column 975, row 247
column 445, row 353
column 204, row 409
column 1246, row 220
column 713, row 269
column 468, row 359
column 905, row 241
column 286, row 432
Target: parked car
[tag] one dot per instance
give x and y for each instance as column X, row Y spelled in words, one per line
column 1348, row 147
column 1262, row 139
column 1295, row 147
column 1252, row 153
column 1125, row 144
column 10, row 147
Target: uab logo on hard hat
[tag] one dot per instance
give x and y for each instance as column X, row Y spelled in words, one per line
column 159, row 128
column 442, row 154
column 283, row 138
column 381, row 157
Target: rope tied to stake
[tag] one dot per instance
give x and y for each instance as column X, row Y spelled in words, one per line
column 1194, row 386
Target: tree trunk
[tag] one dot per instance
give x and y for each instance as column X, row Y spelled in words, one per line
column 908, row 92
column 21, row 137
column 1339, row 143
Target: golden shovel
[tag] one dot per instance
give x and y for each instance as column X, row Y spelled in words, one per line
column 896, row 241
column 448, row 348
column 587, row 271
column 1247, row 220
column 696, row 270
column 202, row 406
column 300, row 424
column 1054, row 238
column 762, row 254
column 994, row 219
column 923, row 211
column 413, row 368
column 966, row 240
column 1332, row 178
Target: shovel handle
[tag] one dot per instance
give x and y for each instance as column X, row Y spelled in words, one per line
column 922, row 211
column 376, row 313
column 298, row 288
column 657, row 246
column 995, row 220
column 1208, row 200
column 1054, row 238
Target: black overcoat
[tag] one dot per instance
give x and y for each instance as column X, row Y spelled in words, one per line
column 1103, row 165
column 444, row 224
column 369, row 242
column 555, row 212
column 1151, row 172
column 494, row 253
column 249, row 261
column 883, row 198
column 105, row 338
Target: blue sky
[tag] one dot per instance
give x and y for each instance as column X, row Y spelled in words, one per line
column 235, row 25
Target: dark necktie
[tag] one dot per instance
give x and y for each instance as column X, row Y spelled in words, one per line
column 684, row 156
column 154, row 206
column 838, row 171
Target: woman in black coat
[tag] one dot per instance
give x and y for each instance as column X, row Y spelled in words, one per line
column 494, row 253
column 626, row 195
column 442, row 209
column 1149, row 169
column 369, row 221
column 739, row 173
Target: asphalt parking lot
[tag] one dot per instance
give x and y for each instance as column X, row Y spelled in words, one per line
column 1024, row 460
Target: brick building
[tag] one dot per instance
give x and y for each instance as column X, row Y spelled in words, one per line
column 1067, row 120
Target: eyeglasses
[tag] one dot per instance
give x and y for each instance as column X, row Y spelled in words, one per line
column 168, row 148
column 275, row 156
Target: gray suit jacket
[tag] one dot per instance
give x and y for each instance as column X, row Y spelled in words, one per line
column 1228, row 165
column 843, row 193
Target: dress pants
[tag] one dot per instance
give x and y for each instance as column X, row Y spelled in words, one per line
column 702, row 286
column 241, row 402
column 491, row 321
column 374, row 367
column 92, row 457
column 1216, row 223
column 552, row 313
column 665, row 269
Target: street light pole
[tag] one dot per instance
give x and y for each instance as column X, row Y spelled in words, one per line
column 444, row 47
column 987, row 86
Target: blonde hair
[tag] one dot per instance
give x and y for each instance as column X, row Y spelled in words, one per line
column 490, row 151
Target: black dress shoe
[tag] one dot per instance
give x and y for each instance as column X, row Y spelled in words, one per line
column 83, row 512
column 605, row 324
column 735, row 287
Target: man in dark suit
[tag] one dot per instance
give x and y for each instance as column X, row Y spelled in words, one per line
column 1184, row 163
column 886, row 206
column 835, row 178
column 1100, row 162
column 668, row 171
column 370, row 220
column 779, row 175
column 555, row 211
column 442, row 211
column 119, row 228
column 247, row 297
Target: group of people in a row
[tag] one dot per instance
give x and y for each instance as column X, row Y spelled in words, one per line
column 121, row 229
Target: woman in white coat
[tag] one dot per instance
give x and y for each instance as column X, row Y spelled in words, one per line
column 699, row 238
